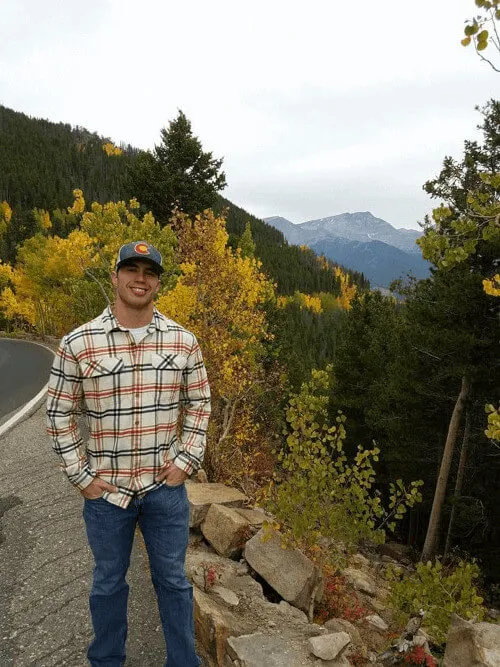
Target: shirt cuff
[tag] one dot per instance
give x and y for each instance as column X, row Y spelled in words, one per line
column 83, row 479
column 184, row 462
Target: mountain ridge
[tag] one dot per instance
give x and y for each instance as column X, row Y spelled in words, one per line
column 361, row 241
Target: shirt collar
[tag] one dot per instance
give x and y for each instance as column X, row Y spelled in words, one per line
column 110, row 323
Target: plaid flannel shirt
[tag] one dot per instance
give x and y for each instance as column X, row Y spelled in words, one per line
column 131, row 394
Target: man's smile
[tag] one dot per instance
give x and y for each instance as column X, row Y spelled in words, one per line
column 139, row 291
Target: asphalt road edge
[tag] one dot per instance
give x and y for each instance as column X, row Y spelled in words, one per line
column 28, row 408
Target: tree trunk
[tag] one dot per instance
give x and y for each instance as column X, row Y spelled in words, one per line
column 431, row 539
column 460, row 479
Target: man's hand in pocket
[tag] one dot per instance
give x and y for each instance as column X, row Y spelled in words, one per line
column 96, row 488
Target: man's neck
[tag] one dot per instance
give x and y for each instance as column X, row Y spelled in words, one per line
column 133, row 319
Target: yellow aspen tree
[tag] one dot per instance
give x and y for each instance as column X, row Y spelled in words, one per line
column 219, row 296
column 110, row 149
column 5, row 218
column 60, row 283
column 310, row 302
column 347, row 289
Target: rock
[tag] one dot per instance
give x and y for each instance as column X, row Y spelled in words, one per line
column 226, row 595
column 378, row 605
column 376, row 622
column 214, row 625
column 288, row 571
column 255, row 517
column 341, row 625
column 261, row 650
column 472, row 644
column 200, row 477
column 195, row 538
column 229, row 573
column 397, row 551
column 225, row 530
column 359, row 561
column 342, row 661
column 328, row 647
column 361, row 581
column 201, row 496
column 293, row 611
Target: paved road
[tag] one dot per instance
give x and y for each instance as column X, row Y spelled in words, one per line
column 24, row 370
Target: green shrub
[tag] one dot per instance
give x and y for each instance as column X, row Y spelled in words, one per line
column 438, row 591
column 318, row 492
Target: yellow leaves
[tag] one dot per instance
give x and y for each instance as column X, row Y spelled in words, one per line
column 219, row 296
column 304, row 301
column 5, row 212
column 492, row 287
column 114, row 223
column 178, row 303
column 51, row 287
column 6, row 274
column 43, row 220
column 68, row 257
column 5, row 217
column 493, row 430
column 110, row 149
column 347, row 290
column 14, row 307
column 78, row 204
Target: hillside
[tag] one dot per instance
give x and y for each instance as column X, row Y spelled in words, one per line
column 42, row 162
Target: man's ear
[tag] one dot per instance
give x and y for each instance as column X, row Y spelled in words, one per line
column 114, row 278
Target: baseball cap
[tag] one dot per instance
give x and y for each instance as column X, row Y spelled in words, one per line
column 140, row 250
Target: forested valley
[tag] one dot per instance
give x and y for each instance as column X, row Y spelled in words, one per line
column 381, row 409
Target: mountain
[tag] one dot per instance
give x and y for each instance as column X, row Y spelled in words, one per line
column 380, row 262
column 362, row 242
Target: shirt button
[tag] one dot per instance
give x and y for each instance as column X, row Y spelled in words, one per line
column 137, row 422
column 137, row 395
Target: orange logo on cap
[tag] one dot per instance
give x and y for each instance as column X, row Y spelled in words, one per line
column 141, row 248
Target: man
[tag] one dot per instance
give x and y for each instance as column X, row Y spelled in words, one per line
column 132, row 367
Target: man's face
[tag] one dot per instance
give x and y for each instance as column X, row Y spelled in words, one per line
column 137, row 284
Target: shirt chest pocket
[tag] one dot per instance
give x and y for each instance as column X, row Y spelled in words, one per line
column 168, row 368
column 101, row 377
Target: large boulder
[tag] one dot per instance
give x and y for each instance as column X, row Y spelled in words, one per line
column 226, row 530
column 201, row 496
column 266, row 650
column 329, row 647
column 342, row 625
column 288, row 571
column 472, row 644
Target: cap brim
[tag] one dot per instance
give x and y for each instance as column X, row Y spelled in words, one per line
column 129, row 260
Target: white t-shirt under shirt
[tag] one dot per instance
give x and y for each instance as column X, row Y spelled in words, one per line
column 139, row 333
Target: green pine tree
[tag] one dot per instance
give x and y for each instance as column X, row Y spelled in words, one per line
column 177, row 173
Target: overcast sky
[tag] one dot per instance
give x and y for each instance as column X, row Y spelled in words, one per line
column 318, row 107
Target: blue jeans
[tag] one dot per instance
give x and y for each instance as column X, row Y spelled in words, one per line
column 163, row 517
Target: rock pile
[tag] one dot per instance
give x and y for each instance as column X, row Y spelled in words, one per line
column 253, row 598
